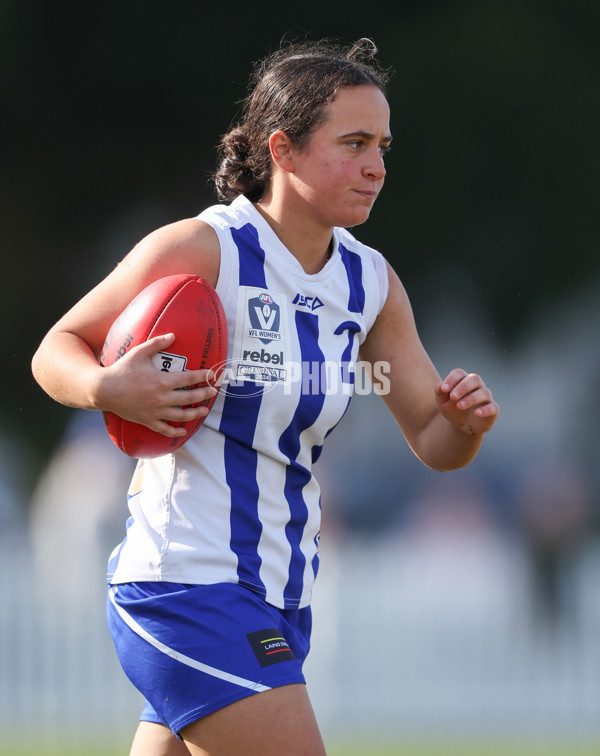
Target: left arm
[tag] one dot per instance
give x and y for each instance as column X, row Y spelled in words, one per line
column 442, row 421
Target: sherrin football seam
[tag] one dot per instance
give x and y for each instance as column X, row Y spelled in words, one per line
column 168, row 302
column 216, row 306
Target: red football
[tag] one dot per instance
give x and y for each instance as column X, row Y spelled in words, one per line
column 187, row 306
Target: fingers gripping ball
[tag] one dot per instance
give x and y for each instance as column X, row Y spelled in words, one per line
column 187, row 306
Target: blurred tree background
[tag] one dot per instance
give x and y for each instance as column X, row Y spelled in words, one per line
column 111, row 113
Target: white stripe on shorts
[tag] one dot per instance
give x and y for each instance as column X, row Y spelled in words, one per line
column 139, row 630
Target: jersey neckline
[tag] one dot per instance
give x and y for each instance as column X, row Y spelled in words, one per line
column 271, row 239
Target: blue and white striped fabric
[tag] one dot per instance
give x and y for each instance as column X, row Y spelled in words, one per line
column 238, row 502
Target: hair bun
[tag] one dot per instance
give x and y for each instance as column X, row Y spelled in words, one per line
column 236, row 173
column 236, row 146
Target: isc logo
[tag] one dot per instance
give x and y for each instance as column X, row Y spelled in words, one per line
column 313, row 303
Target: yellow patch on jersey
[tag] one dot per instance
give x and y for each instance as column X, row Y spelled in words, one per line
column 137, row 482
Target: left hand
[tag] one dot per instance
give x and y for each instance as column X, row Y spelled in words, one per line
column 466, row 402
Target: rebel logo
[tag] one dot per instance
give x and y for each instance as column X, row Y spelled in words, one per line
column 264, row 357
column 270, row 647
column 265, row 318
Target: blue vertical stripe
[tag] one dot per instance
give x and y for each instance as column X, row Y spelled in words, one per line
column 240, row 414
column 251, row 255
column 238, row 424
column 315, row 561
column 312, row 397
column 353, row 265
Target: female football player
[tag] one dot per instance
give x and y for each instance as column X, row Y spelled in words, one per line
column 209, row 592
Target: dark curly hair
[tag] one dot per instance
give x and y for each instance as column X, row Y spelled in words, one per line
column 290, row 90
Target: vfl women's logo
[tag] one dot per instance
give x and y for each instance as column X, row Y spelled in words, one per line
column 261, row 343
column 265, row 318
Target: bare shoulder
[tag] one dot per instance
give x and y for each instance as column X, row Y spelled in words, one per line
column 186, row 246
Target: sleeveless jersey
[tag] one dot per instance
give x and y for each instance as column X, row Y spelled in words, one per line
column 238, row 502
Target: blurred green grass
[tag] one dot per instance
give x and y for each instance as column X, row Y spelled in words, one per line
column 481, row 748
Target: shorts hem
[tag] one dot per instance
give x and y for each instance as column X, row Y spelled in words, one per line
column 203, row 711
column 150, row 718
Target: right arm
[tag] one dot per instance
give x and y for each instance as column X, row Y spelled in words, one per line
column 443, row 421
column 66, row 364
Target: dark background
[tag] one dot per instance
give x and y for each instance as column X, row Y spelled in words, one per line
column 110, row 113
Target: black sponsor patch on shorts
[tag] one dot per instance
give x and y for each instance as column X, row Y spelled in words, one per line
column 270, row 647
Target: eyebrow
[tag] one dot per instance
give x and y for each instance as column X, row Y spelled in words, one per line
column 365, row 135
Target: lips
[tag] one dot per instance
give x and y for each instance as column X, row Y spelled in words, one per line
column 368, row 193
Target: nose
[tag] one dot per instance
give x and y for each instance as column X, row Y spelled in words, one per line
column 375, row 168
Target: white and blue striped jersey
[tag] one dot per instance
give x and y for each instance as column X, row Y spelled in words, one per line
column 238, row 502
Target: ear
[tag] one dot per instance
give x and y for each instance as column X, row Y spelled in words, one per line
column 282, row 151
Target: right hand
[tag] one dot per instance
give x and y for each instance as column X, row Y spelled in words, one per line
column 134, row 389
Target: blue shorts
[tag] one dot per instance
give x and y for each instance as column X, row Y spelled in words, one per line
column 193, row 649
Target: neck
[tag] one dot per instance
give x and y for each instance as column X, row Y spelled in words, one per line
column 310, row 243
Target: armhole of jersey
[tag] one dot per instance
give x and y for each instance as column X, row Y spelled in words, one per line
column 224, row 287
column 379, row 286
column 383, row 280
column 376, row 276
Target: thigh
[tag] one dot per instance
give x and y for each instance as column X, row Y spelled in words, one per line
column 152, row 739
column 277, row 722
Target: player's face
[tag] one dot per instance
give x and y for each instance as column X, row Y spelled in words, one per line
column 341, row 170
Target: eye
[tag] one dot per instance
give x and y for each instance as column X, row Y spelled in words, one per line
column 355, row 144
column 384, row 149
